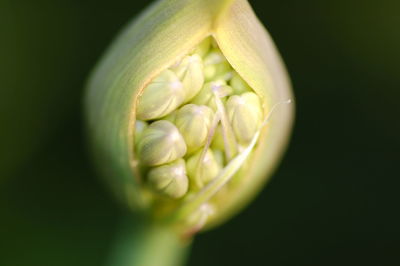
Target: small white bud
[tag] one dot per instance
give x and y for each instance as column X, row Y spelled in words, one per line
column 169, row 179
column 163, row 95
column 161, row 143
column 194, row 122
column 215, row 65
column 190, row 72
column 245, row 115
column 207, row 97
column 201, row 170
column 238, row 85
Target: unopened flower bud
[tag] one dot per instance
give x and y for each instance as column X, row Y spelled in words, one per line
column 245, row 115
column 215, row 65
column 161, row 143
column 158, row 64
column 169, row 179
column 238, row 85
column 202, row 169
column 207, row 97
column 163, row 95
column 194, row 122
column 190, row 72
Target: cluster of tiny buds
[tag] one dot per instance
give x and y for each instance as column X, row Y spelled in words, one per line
column 192, row 120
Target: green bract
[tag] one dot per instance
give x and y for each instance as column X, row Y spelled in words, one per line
column 140, row 126
column 189, row 84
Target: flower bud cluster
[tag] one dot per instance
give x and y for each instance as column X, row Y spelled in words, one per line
column 192, row 119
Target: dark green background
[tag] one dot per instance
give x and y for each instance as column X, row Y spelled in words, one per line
column 333, row 201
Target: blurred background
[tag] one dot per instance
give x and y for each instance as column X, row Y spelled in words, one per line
column 333, row 201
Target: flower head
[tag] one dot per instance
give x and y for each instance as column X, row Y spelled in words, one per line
column 177, row 111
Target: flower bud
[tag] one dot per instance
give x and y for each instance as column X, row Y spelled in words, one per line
column 139, row 79
column 169, row 179
column 206, row 95
column 194, row 122
column 161, row 143
column 215, row 65
column 163, row 95
column 190, row 72
column 245, row 115
column 238, row 85
column 202, row 169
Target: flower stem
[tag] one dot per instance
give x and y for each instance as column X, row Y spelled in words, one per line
column 141, row 243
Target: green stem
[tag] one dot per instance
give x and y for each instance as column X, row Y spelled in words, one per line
column 141, row 243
